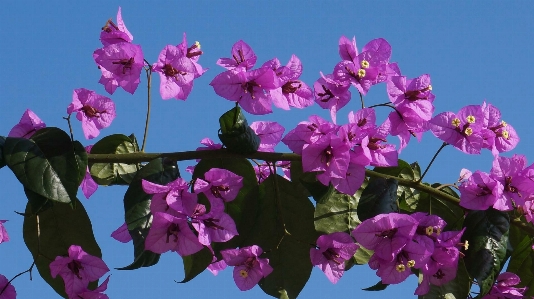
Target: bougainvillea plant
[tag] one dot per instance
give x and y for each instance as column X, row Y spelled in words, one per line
column 273, row 216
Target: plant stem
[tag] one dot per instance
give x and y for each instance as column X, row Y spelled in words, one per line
column 148, row 79
column 70, row 127
column 361, row 100
column 432, row 161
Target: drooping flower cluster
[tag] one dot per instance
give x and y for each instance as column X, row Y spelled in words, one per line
column 401, row 242
column 508, row 185
column 475, row 127
column 255, row 90
column 120, row 61
column 178, row 67
column 340, row 153
column 504, row 287
column 77, row 270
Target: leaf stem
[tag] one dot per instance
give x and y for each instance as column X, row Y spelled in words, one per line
column 432, row 161
column 9, row 282
column 361, row 100
column 149, row 85
column 70, row 127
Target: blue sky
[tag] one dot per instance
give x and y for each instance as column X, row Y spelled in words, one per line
column 473, row 51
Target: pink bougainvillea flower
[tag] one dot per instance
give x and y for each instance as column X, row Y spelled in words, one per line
column 498, row 135
column 412, row 97
column 96, row 293
column 248, row 88
column 249, row 267
column 122, row 234
column 176, row 72
column 124, row 62
column 219, row 184
column 331, row 94
column 93, row 110
column 331, row 253
column 77, row 269
column 215, row 226
column 115, row 33
column 308, row 132
column 516, row 179
column 504, row 287
column 480, row 191
column 174, row 195
column 29, row 124
column 329, row 154
column 461, row 130
column 386, row 234
column 171, row 233
column 4, row 237
column 193, row 53
column 9, row 291
column 242, row 57
column 88, row 185
column 270, row 134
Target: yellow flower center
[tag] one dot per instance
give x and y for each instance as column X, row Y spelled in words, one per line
column 365, row 64
column 468, row 131
column 471, row 119
column 503, row 123
column 505, row 134
column 429, row 87
column 438, row 231
column 400, row 268
column 361, row 73
column 456, row 122
column 197, row 43
column 466, row 244
column 243, row 273
column 429, row 230
column 411, row 263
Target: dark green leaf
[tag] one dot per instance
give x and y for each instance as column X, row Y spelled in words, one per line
column 458, row 288
column 235, row 133
column 379, row 286
column 287, row 246
column 114, row 173
column 2, row 160
column 51, row 232
column 337, row 213
column 137, row 208
column 196, row 263
column 237, row 207
column 361, row 257
column 296, row 173
column 379, row 197
column 487, row 234
column 408, row 197
column 81, row 160
column 317, row 190
column 450, row 212
column 522, row 259
column 46, row 164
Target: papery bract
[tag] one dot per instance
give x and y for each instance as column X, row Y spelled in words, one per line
column 242, row 57
column 219, row 184
column 88, row 185
column 77, row 269
column 480, row 191
column 124, row 62
column 270, row 134
column 115, row 33
column 93, row 110
column 249, row 267
column 29, row 124
column 331, row 253
column 4, row 237
column 8, row 291
column 175, row 71
column 122, row 234
column 171, row 233
column 96, row 293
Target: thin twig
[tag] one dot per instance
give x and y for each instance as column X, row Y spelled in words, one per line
column 70, row 127
column 149, row 80
column 432, row 161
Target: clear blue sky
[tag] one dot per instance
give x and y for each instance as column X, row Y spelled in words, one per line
column 473, row 50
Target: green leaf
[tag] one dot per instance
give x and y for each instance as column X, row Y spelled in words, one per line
column 284, row 230
column 361, row 257
column 406, row 171
column 296, row 173
column 48, row 164
column 235, row 134
column 2, row 143
column 337, row 213
column 317, row 190
column 137, row 208
column 379, row 286
column 487, row 234
column 379, row 197
column 81, row 159
column 51, row 232
column 242, row 209
column 114, row 173
column 196, row 263
column 522, row 259
column 458, row 288
column 450, row 212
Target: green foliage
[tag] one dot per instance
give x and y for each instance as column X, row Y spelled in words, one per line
column 2, row 143
column 379, row 286
column 452, row 213
column 49, row 233
column 235, row 133
column 487, row 234
column 522, row 259
column 408, row 197
column 114, row 173
column 284, row 230
column 337, row 213
column 196, row 263
column 379, row 197
column 49, row 163
column 458, row 288
column 137, row 208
